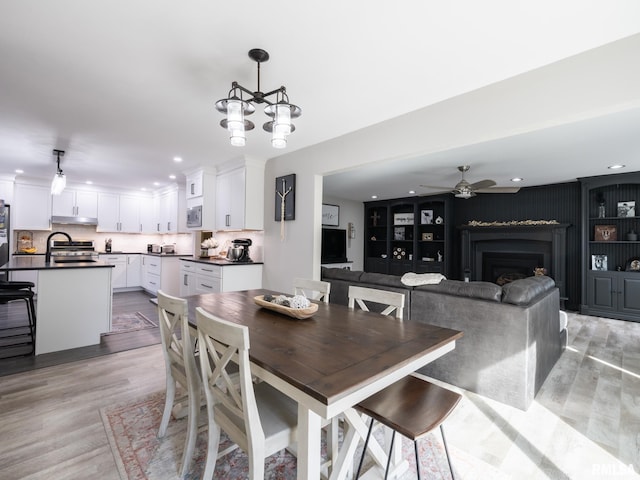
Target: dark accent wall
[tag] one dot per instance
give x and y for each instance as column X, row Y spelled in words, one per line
column 559, row 202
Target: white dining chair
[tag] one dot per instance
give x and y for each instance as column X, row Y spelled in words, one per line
column 411, row 406
column 180, row 362
column 257, row 417
column 392, row 300
column 312, row 289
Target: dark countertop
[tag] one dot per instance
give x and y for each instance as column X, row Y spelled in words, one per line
column 36, row 262
column 120, row 252
column 217, row 261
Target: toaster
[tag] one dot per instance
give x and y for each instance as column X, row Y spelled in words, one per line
column 155, row 248
column 168, row 249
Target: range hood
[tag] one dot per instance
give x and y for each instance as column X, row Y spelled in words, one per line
column 74, row 220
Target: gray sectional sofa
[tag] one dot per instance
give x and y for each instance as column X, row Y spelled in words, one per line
column 512, row 334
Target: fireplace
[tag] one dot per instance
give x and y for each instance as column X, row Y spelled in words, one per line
column 500, row 254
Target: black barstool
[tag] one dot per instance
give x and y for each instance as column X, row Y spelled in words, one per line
column 15, row 290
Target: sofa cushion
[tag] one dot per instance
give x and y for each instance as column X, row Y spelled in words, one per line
column 341, row 274
column 522, row 292
column 382, row 279
column 482, row 290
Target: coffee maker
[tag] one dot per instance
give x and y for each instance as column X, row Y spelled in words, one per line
column 239, row 250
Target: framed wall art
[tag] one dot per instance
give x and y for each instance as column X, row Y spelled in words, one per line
column 330, row 215
column 426, row 217
column 285, row 198
column 605, row 233
column 598, row 262
column 403, row 218
column 627, row 209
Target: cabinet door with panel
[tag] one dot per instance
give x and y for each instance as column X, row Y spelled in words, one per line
column 75, row 203
column 129, row 214
column 31, row 207
column 134, row 270
column 119, row 272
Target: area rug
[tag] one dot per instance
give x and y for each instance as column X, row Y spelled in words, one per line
column 132, row 429
column 130, row 322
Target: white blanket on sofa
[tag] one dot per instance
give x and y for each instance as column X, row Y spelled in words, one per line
column 414, row 279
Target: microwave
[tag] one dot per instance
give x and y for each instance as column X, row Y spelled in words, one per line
column 194, row 216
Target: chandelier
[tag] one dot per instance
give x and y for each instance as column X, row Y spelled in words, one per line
column 236, row 108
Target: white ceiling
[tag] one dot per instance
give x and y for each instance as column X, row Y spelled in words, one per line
column 124, row 86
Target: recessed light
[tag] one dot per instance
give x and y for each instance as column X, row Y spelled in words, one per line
column 177, row 159
column 172, row 177
column 517, row 179
column 615, row 167
column 156, row 184
column 374, row 196
column 144, row 189
column 18, row 170
column 89, row 182
column 411, row 192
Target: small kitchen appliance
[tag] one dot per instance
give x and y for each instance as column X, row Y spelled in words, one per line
column 155, row 248
column 239, row 250
column 168, row 248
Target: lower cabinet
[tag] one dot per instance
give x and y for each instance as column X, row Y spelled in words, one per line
column 161, row 273
column 204, row 277
column 613, row 294
column 126, row 270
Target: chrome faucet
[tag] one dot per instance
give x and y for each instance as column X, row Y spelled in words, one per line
column 47, row 256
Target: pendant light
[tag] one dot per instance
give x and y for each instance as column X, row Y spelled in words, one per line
column 236, row 108
column 59, row 180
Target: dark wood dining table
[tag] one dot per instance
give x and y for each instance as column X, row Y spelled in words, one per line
column 329, row 362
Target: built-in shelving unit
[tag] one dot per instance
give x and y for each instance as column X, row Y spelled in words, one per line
column 408, row 235
column 611, row 249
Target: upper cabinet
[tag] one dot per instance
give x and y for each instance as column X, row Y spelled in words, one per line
column 171, row 211
column 122, row 213
column 31, row 207
column 201, row 200
column 240, row 198
column 75, row 203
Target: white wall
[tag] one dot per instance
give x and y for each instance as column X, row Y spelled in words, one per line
column 598, row 82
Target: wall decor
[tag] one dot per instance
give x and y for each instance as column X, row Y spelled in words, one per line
column 399, row 253
column 598, row 262
column 633, row 264
column 627, row 209
column 427, row 236
column 426, row 217
column 398, row 233
column 403, row 218
column 285, row 198
column 330, row 215
column 605, row 233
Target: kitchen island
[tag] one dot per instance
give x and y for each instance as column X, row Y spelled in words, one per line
column 73, row 306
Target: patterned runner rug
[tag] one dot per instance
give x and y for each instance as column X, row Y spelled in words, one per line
column 132, row 429
column 130, row 322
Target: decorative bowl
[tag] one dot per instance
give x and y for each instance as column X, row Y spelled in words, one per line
column 299, row 313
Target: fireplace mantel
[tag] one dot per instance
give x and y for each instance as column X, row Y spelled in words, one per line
column 475, row 239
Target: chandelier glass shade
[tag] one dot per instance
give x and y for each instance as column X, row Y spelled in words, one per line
column 236, row 108
column 59, row 181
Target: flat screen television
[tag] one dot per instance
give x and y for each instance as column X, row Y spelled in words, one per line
column 334, row 245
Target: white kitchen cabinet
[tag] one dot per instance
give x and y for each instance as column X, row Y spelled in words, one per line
column 75, row 203
column 119, row 272
column 201, row 192
column 31, row 207
column 134, row 272
column 118, row 213
column 161, row 273
column 187, row 279
column 147, row 215
column 195, row 186
column 204, row 277
column 171, row 211
column 239, row 198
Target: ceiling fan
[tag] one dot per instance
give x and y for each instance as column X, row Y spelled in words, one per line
column 464, row 189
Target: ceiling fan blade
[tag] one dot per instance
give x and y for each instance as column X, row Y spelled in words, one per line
column 428, row 194
column 482, row 184
column 499, row 190
column 439, row 188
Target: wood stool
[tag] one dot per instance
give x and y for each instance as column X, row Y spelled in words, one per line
column 413, row 407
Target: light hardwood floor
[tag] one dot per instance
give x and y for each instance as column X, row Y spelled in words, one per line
column 584, row 423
